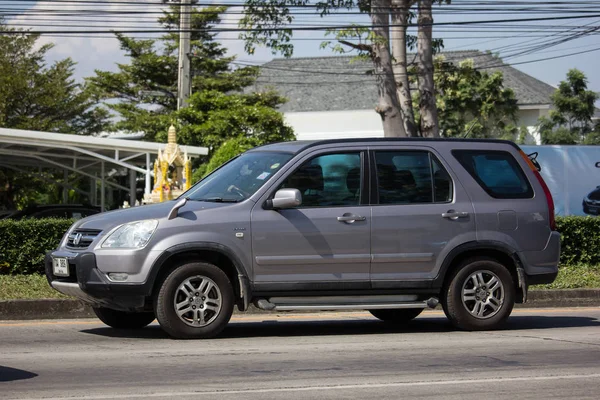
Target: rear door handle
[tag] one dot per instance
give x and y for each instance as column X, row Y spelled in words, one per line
column 351, row 218
column 455, row 214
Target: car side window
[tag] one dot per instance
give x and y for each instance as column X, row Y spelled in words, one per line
column 328, row 180
column 411, row 177
column 497, row 172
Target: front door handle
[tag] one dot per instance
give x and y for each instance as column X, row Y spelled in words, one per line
column 451, row 214
column 351, row 218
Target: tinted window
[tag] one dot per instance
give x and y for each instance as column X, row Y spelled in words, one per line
column 594, row 195
column 497, row 172
column 406, row 177
column 328, row 180
column 57, row 213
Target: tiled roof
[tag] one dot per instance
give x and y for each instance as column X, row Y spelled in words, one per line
column 339, row 83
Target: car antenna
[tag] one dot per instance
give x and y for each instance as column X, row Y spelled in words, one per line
column 470, row 128
column 174, row 211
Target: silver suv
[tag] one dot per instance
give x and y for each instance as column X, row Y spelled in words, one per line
column 389, row 226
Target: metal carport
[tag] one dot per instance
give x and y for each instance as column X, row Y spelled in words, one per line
column 92, row 157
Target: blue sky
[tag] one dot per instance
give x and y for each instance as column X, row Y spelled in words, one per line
column 103, row 53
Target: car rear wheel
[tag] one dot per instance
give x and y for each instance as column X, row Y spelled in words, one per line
column 195, row 301
column 397, row 315
column 122, row 319
column 480, row 295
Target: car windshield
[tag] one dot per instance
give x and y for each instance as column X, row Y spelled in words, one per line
column 240, row 178
column 594, row 195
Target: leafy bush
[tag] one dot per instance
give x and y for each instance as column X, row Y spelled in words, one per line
column 23, row 244
column 580, row 240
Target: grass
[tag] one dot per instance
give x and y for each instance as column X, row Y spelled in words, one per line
column 27, row 287
column 36, row 286
column 575, row 277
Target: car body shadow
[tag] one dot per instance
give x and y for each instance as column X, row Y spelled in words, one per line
column 273, row 327
column 8, row 374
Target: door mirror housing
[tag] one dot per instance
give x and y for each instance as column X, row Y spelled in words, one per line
column 284, row 198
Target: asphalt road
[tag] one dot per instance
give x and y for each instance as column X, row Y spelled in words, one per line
column 542, row 354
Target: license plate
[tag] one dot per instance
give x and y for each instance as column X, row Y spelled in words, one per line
column 60, row 266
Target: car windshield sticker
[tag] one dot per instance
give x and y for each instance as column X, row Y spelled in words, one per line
column 275, row 166
column 263, row 176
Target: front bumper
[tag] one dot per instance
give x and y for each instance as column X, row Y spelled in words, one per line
column 90, row 285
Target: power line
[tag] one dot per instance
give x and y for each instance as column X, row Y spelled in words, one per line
column 316, row 28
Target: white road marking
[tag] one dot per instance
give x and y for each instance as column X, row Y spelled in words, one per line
column 328, row 387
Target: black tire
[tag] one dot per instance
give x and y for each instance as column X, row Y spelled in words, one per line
column 460, row 313
column 188, row 326
column 122, row 319
column 397, row 315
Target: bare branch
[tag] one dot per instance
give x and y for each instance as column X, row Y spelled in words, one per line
column 358, row 46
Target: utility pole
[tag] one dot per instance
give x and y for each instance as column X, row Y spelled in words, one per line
column 184, row 84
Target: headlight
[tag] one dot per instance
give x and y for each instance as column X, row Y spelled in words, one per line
column 132, row 235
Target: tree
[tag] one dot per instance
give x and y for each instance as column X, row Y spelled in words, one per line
column 266, row 23
column 37, row 96
column 401, row 16
column 571, row 119
column 427, row 106
column 217, row 109
column 473, row 103
column 40, row 97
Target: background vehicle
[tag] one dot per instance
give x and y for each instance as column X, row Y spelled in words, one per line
column 591, row 202
column 68, row 211
column 389, row 226
column 5, row 213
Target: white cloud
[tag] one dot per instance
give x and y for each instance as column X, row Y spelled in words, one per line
column 90, row 52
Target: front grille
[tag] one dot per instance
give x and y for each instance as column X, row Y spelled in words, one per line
column 82, row 238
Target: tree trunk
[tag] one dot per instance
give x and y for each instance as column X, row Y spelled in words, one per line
column 400, row 10
column 388, row 106
column 427, row 106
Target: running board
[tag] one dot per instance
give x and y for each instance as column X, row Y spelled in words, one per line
column 326, row 303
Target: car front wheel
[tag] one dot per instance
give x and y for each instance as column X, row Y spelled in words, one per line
column 122, row 319
column 195, row 301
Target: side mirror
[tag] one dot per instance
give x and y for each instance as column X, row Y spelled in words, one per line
column 284, row 198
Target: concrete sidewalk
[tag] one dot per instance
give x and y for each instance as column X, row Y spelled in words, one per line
column 67, row 308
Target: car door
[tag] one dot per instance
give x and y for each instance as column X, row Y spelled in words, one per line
column 324, row 243
column 421, row 212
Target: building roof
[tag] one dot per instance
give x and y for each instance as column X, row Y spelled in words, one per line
column 338, row 83
column 84, row 154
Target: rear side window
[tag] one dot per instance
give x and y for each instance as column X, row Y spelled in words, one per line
column 411, row 177
column 497, row 172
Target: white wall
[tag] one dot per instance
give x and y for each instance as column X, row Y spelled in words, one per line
column 335, row 124
column 367, row 123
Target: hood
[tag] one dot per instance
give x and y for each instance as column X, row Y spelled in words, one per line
column 108, row 220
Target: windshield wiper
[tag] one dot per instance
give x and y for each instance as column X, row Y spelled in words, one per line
column 218, row 200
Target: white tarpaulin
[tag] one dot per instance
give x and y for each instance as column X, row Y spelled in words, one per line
column 572, row 174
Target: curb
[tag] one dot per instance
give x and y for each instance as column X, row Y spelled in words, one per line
column 70, row 308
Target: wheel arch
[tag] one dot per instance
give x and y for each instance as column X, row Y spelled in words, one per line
column 496, row 250
column 213, row 253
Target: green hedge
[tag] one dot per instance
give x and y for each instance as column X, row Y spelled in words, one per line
column 24, row 243
column 580, row 240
